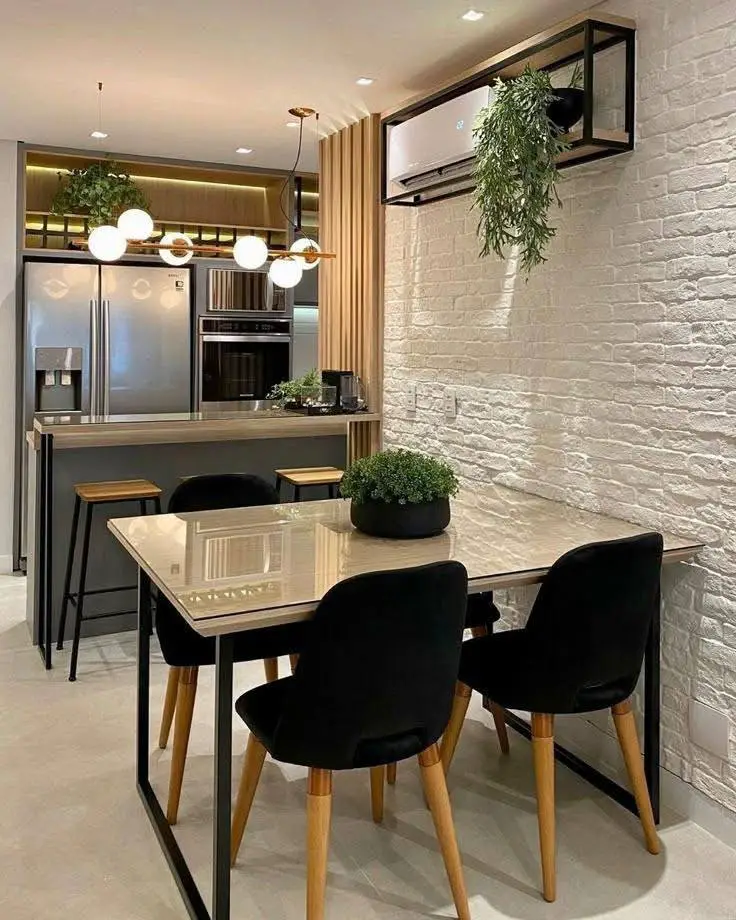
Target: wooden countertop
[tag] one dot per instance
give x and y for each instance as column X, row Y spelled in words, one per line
column 240, row 569
column 179, row 428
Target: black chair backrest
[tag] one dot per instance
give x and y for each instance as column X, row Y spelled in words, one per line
column 182, row 646
column 376, row 679
column 593, row 613
column 219, row 491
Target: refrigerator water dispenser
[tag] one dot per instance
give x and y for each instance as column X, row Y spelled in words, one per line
column 58, row 380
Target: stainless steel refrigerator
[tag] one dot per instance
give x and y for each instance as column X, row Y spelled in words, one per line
column 103, row 340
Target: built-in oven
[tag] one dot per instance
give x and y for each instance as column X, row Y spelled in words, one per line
column 232, row 290
column 240, row 360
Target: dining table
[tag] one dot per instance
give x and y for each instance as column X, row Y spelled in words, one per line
column 248, row 568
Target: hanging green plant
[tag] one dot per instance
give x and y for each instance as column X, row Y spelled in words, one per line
column 517, row 146
column 103, row 190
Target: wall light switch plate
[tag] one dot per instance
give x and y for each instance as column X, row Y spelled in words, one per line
column 709, row 728
column 411, row 397
column 450, row 403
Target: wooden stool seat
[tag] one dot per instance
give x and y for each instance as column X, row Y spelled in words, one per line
column 117, row 491
column 312, row 475
column 302, row 477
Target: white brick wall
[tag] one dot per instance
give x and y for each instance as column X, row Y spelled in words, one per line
column 609, row 379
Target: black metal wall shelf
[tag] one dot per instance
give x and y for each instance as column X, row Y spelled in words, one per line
column 577, row 39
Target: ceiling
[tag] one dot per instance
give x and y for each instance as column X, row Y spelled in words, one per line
column 194, row 80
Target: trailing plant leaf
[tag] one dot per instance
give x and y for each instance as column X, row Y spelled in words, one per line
column 515, row 173
column 398, row 477
column 103, row 190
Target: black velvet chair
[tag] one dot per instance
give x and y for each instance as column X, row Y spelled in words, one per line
column 581, row 650
column 184, row 650
column 373, row 685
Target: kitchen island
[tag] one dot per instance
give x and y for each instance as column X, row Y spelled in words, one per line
column 64, row 450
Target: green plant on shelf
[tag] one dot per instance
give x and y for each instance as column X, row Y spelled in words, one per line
column 517, row 147
column 399, row 477
column 102, row 190
column 292, row 391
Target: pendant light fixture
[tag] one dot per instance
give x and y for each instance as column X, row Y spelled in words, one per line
column 135, row 226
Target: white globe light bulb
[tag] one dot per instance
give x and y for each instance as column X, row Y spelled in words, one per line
column 286, row 272
column 107, row 243
column 250, row 252
column 305, row 245
column 135, row 224
column 172, row 256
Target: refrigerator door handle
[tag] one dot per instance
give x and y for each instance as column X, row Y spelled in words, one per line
column 105, row 378
column 94, row 369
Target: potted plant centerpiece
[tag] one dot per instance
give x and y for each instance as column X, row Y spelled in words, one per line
column 399, row 493
column 293, row 394
column 519, row 138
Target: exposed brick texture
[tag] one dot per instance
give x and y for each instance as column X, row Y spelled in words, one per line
column 609, row 379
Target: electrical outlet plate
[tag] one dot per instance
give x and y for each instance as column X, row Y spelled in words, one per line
column 411, row 397
column 450, row 403
column 709, row 728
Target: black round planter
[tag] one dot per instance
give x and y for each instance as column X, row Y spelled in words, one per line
column 401, row 522
column 567, row 108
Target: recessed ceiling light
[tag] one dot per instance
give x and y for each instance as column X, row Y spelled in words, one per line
column 472, row 16
column 244, row 150
column 364, row 81
column 98, row 135
column 292, row 124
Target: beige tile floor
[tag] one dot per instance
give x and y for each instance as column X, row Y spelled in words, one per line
column 74, row 841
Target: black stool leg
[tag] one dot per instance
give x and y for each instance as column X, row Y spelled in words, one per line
column 333, row 490
column 297, row 493
column 157, row 504
column 80, row 592
column 68, row 576
column 144, row 506
column 279, row 481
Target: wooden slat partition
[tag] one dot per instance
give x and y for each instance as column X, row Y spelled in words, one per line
column 351, row 286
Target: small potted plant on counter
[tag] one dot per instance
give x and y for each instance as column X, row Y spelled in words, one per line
column 293, row 394
column 399, row 493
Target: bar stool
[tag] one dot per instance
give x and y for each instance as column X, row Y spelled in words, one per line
column 96, row 493
column 309, row 476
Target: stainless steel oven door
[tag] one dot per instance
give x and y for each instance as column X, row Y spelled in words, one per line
column 237, row 368
column 233, row 291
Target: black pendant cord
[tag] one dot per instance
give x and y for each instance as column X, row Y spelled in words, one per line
column 290, row 176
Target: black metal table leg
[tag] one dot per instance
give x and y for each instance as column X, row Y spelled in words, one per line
column 44, row 541
column 175, row 858
column 223, row 769
column 652, row 704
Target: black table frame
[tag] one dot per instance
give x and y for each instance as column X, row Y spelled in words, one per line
column 44, row 547
column 223, row 769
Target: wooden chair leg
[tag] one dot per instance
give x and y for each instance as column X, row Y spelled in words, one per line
column 543, row 749
column 377, row 783
column 454, row 726
column 167, row 717
column 499, row 720
column 628, row 739
column 391, row 774
column 435, row 789
column 319, row 808
column 293, row 661
column 271, row 667
column 186, row 695
column 255, row 754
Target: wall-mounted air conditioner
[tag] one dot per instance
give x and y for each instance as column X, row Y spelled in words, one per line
column 436, row 146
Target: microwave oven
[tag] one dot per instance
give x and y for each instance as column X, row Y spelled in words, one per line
column 230, row 290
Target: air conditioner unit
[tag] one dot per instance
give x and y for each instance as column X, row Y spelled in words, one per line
column 436, row 146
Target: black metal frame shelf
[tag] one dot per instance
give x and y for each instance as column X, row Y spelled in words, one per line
column 577, row 39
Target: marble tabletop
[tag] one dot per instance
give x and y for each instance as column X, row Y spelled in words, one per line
column 227, row 571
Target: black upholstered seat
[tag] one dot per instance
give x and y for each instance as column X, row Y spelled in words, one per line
column 183, row 649
column 583, row 645
column 581, row 650
column 373, row 685
column 481, row 612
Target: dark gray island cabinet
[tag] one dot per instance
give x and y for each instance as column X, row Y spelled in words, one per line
column 163, row 449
